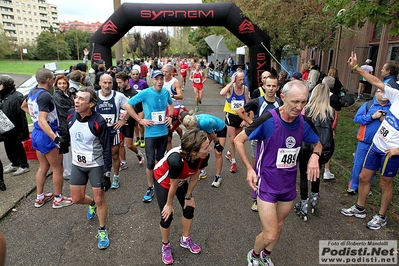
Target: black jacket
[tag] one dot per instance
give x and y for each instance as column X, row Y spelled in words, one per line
column 10, row 104
column 63, row 103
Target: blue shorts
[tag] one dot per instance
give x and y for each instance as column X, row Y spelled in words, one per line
column 377, row 160
column 42, row 142
column 273, row 198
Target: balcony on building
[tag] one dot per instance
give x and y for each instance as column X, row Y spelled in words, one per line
column 6, row 10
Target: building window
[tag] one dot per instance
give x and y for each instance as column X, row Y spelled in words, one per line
column 18, row 11
column 377, row 32
column 22, row 39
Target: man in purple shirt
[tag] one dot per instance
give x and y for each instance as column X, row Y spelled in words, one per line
column 280, row 133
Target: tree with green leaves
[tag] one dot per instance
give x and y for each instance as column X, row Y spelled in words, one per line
column 46, row 47
column 77, row 40
column 5, row 44
column 179, row 44
column 197, row 39
column 292, row 25
column 383, row 12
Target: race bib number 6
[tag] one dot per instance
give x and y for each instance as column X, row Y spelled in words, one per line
column 286, row 158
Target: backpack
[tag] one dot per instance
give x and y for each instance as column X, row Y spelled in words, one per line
column 369, row 104
column 345, row 98
column 325, row 132
column 321, row 77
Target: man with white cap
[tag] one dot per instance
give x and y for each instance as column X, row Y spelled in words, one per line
column 362, row 81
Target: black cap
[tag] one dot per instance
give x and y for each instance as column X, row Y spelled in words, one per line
column 81, row 66
column 6, row 81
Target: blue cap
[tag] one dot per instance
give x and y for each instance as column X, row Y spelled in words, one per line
column 156, row 73
column 297, row 75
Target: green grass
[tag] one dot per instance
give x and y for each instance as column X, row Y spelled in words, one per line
column 342, row 162
column 29, row 67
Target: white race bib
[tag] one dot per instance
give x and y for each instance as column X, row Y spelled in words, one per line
column 235, row 104
column 286, row 158
column 82, row 158
column 386, row 131
column 197, row 80
column 182, row 181
column 183, row 70
column 109, row 118
column 158, row 117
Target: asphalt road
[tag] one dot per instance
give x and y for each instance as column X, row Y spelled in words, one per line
column 224, row 225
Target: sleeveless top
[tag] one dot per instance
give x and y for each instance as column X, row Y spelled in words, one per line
column 33, row 106
column 234, row 102
column 197, row 80
column 277, row 156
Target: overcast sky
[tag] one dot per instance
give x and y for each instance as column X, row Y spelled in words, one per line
column 100, row 10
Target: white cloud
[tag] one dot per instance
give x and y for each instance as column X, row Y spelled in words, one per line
column 99, row 10
column 89, row 11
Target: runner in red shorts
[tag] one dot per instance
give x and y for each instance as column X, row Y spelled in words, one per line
column 198, row 78
column 184, row 68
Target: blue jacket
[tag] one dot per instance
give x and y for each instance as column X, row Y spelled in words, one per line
column 368, row 126
column 392, row 81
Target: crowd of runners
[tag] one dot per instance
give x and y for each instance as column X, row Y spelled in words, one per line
column 83, row 135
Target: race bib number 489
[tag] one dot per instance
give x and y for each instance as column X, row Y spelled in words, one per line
column 286, row 158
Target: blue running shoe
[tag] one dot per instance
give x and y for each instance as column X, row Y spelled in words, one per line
column 102, row 239
column 149, row 194
column 91, row 212
column 115, row 182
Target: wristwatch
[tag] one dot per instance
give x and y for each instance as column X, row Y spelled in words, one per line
column 317, row 153
column 171, row 116
column 189, row 197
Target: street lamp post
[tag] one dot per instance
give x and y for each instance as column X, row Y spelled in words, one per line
column 159, row 50
column 19, row 43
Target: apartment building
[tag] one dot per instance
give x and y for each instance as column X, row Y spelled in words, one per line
column 78, row 25
column 24, row 20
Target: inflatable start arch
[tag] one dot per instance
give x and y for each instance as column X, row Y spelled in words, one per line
column 228, row 15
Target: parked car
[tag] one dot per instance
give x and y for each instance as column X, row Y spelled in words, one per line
column 31, row 82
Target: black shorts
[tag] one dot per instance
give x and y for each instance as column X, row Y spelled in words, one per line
column 233, row 120
column 128, row 130
column 80, row 175
column 222, row 133
column 364, row 82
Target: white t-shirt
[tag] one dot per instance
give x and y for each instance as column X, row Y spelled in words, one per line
column 387, row 135
column 369, row 69
column 137, row 67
